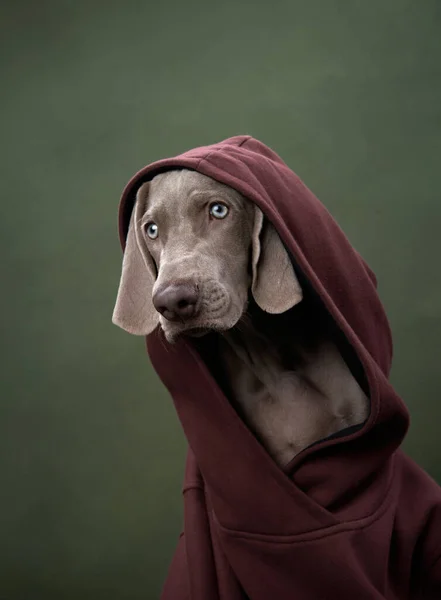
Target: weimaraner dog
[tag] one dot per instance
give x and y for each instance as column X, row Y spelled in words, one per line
column 200, row 258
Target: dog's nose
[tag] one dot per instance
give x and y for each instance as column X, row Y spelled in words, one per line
column 176, row 302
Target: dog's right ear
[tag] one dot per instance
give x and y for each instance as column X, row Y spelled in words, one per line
column 134, row 311
column 275, row 286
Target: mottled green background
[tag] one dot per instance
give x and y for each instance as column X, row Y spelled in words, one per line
column 347, row 91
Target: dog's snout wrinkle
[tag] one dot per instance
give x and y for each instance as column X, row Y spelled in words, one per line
column 177, row 302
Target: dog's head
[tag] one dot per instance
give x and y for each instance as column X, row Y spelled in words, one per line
column 195, row 248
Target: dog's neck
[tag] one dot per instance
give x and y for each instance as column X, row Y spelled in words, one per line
column 289, row 382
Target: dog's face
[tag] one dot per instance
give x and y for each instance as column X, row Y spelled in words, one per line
column 198, row 233
column 195, row 248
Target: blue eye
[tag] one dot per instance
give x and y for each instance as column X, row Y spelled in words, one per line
column 219, row 210
column 152, row 230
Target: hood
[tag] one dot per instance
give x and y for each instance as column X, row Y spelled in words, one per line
column 330, row 472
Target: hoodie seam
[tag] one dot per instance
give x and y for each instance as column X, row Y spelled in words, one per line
column 206, row 157
column 316, row 534
column 302, row 538
column 190, row 487
column 243, row 142
column 218, row 150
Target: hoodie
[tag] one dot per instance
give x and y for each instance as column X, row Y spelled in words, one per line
column 351, row 516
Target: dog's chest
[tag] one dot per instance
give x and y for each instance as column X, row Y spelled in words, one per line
column 278, row 407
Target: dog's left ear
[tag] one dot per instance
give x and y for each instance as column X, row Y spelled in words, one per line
column 275, row 287
column 134, row 311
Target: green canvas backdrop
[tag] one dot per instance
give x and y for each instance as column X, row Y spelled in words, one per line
column 348, row 92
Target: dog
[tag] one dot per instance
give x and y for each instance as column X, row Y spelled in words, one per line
column 202, row 260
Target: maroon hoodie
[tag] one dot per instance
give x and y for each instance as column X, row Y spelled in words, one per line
column 351, row 517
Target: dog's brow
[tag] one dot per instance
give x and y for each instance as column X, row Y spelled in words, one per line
column 205, row 194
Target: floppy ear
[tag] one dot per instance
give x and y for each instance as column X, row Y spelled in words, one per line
column 134, row 311
column 275, row 287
